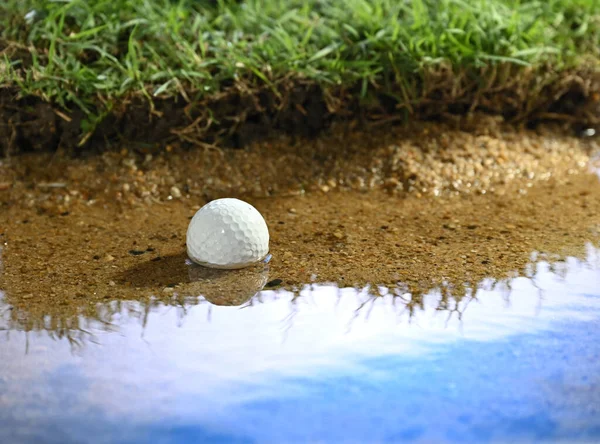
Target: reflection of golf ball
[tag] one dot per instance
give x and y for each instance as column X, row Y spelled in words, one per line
column 227, row 233
column 225, row 287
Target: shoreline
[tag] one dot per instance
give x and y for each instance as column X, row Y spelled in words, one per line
column 337, row 209
column 101, row 252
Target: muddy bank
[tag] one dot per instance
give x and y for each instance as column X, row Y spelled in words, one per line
column 241, row 115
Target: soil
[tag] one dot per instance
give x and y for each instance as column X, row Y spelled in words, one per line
column 476, row 155
column 241, row 114
column 79, row 232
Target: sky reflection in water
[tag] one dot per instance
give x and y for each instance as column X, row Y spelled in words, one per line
column 517, row 362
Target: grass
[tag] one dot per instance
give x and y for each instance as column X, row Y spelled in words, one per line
column 94, row 55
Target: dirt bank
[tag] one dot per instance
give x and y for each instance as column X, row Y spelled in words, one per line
column 240, row 116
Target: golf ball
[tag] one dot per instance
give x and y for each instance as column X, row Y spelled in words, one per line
column 227, row 233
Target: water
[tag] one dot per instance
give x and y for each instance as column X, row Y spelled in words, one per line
column 512, row 361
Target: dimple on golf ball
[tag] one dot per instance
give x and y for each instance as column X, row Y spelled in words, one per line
column 227, row 233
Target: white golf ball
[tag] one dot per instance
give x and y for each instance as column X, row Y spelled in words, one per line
column 227, row 233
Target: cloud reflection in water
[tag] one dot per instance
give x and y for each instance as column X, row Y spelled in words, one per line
column 515, row 361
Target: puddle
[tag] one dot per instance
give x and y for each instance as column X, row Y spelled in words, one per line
column 512, row 360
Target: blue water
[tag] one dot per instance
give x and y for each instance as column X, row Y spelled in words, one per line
column 521, row 364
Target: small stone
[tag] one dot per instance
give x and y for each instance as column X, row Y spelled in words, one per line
column 273, row 283
column 112, row 283
column 168, row 290
column 175, row 192
column 338, row 235
column 391, row 183
column 109, row 258
column 292, row 211
column 46, row 205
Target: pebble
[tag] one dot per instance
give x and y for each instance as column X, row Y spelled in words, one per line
column 273, row 283
column 391, row 183
column 175, row 192
column 52, row 185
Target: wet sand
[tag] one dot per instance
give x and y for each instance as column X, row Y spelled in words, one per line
column 477, row 156
column 112, row 227
column 64, row 264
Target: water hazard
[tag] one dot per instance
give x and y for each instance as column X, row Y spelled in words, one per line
column 516, row 359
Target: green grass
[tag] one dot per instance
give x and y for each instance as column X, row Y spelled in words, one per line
column 93, row 54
